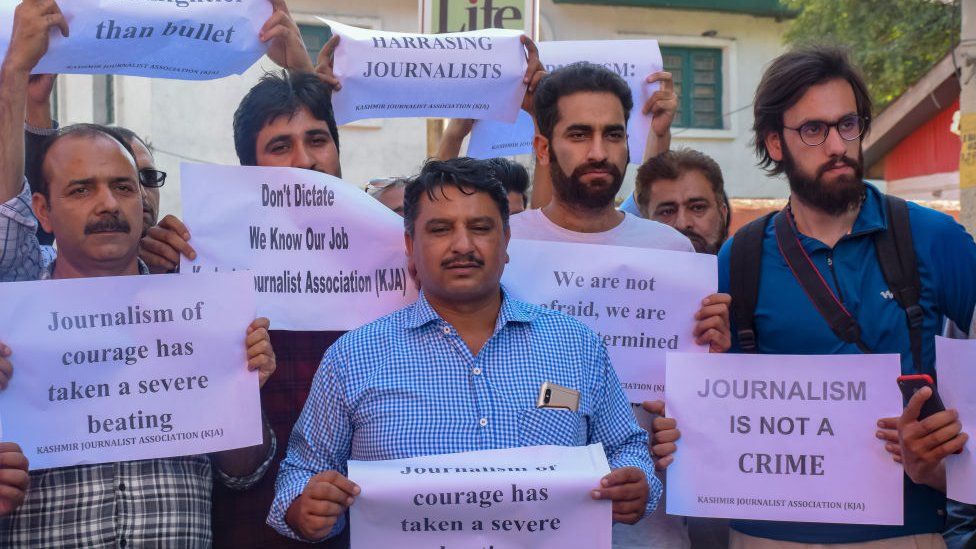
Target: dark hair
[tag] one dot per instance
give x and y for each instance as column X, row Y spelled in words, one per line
column 468, row 175
column 674, row 164
column 279, row 95
column 513, row 176
column 131, row 136
column 575, row 78
column 788, row 77
column 89, row 131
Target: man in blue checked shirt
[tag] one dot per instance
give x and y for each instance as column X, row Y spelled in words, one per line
column 457, row 371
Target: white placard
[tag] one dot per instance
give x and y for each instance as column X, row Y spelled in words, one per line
column 633, row 60
column 126, row 368
column 784, row 437
column 641, row 302
column 519, row 498
column 955, row 360
column 324, row 254
column 455, row 75
column 181, row 39
column 493, row 139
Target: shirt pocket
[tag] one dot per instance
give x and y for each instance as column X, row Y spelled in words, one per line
column 557, row 426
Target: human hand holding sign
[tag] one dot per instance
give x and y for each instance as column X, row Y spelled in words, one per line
column 664, row 434
column 926, row 442
column 627, row 488
column 325, row 498
column 163, row 244
column 285, row 44
column 713, row 328
column 14, row 479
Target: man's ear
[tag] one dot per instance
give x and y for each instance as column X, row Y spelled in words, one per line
column 42, row 210
column 411, row 264
column 507, row 235
column 774, row 146
column 541, row 146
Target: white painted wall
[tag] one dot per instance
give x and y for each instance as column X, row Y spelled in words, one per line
column 192, row 120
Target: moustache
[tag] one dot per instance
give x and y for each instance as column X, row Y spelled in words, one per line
column 845, row 160
column 695, row 238
column 462, row 260
column 602, row 165
column 108, row 224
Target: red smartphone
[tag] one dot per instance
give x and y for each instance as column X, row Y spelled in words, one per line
column 909, row 384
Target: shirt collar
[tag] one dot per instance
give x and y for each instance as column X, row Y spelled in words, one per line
column 512, row 310
column 872, row 216
column 49, row 270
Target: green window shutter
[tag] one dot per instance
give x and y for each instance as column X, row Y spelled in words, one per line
column 697, row 74
column 315, row 37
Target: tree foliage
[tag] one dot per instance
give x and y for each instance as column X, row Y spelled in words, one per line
column 894, row 42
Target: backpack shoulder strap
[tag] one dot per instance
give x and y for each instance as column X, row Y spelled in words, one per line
column 744, row 268
column 896, row 255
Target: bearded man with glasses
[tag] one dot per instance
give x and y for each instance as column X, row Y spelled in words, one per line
column 812, row 110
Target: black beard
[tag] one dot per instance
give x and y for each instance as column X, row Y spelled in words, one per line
column 703, row 246
column 841, row 196
column 572, row 191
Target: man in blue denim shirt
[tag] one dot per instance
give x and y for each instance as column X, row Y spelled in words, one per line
column 459, row 370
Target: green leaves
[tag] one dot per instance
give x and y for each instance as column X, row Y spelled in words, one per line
column 894, row 42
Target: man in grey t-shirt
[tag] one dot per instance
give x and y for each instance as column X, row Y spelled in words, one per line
column 581, row 111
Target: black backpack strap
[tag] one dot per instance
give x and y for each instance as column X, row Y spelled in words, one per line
column 896, row 254
column 841, row 322
column 744, row 267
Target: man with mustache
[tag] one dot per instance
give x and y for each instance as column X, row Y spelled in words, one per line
column 581, row 111
column 459, row 370
column 684, row 189
column 812, row 110
column 88, row 196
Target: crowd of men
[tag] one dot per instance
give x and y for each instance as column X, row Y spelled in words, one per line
column 466, row 359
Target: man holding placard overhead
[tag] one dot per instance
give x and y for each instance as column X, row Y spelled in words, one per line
column 90, row 198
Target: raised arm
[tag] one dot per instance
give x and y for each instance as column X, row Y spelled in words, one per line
column 33, row 20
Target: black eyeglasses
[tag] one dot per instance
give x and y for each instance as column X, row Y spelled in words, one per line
column 152, row 178
column 814, row 132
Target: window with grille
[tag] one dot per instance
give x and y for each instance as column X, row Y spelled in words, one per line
column 697, row 76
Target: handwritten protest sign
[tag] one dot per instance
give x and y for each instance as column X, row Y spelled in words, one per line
column 642, row 303
column 324, row 254
column 182, row 39
column 532, row 498
column 633, row 60
column 125, row 368
column 455, row 75
column 956, row 385
column 777, row 437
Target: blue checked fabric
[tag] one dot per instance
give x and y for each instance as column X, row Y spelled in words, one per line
column 21, row 255
column 406, row 385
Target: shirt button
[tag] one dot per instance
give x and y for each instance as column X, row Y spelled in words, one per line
column 483, row 421
column 476, row 371
column 121, row 486
column 122, row 542
column 446, row 329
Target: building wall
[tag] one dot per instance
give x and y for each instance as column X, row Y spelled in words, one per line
column 191, row 121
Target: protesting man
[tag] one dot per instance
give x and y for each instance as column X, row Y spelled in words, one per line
column 684, row 189
column 812, row 110
column 581, row 111
column 89, row 197
column 284, row 120
column 391, row 389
